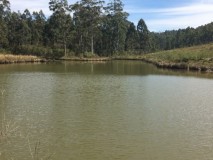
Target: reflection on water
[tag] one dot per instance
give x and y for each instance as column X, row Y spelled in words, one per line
column 115, row 110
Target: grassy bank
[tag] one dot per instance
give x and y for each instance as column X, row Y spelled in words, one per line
column 9, row 58
column 191, row 58
column 86, row 59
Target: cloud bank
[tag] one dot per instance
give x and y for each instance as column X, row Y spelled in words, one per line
column 160, row 19
column 193, row 14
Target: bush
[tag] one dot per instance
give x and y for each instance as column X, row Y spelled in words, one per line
column 46, row 52
column 89, row 55
column 57, row 53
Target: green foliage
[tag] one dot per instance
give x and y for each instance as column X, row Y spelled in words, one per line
column 114, row 28
column 87, row 19
column 92, row 28
column 183, row 37
column 59, row 24
column 4, row 9
column 38, row 26
column 89, row 55
column 143, row 34
column 132, row 38
column 46, row 52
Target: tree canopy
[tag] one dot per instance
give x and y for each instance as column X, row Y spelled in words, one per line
column 88, row 27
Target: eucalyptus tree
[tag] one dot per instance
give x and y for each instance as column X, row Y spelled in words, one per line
column 132, row 38
column 87, row 19
column 143, row 33
column 12, row 29
column 4, row 5
column 60, row 23
column 116, row 25
column 4, row 11
column 39, row 21
column 18, row 31
column 26, row 25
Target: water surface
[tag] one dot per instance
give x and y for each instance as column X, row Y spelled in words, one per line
column 120, row 110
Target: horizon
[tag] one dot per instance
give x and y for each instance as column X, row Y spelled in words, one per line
column 159, row 16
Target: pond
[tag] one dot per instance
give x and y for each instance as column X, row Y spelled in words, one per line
column 118, row 110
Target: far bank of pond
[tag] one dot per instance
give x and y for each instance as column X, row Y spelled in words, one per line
column 192, row 65
column 205, row 66
column 196, row 58
column 9, row 58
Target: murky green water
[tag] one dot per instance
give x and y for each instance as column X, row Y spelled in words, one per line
column 121, row 110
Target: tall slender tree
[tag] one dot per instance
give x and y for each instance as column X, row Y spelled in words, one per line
column 4, row 11
column 60, row 23
column 143, row 33
column 38, row 27
column 131, row 38
column 87, row 16
column 117, row 25
column 27, row 25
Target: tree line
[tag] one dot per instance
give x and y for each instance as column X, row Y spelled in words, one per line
column 85, row 28
column 183, row 37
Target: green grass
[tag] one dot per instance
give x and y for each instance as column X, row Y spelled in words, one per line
column 192, row 58
column 197, row 54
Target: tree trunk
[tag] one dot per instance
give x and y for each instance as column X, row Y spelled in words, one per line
column 92, row 44
column 65, row 50
column 65, row 45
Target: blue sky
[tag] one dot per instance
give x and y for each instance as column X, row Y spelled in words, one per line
column 159, row 15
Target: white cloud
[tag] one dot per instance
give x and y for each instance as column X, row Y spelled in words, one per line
column 192, row 9
column 179, row 22
column 158, row 19
column 193, row 15
column 35, row 5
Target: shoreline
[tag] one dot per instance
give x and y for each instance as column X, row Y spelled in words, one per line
column 12, row 59
column 86, row 59
column 189, row 66
column 193, row 66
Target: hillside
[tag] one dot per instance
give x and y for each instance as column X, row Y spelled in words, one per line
column 192, row 58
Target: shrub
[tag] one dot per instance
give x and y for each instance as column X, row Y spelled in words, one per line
column 46, row 52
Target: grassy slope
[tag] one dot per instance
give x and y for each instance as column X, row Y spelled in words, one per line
column 202, row 53
column 191, row 58
column 196, row 57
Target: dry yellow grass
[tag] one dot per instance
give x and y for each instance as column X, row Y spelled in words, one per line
column 9, row 58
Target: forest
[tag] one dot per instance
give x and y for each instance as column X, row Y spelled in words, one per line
column 87, row 28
